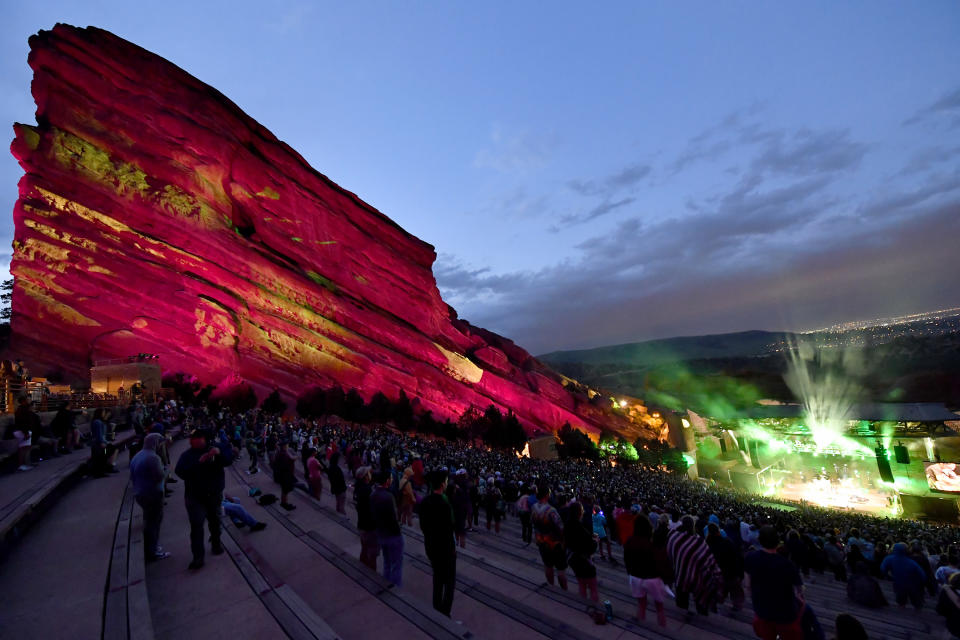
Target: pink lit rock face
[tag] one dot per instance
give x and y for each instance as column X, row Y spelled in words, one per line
column 155, row 216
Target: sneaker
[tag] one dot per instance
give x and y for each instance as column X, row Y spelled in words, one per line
column 160, row 555
column 216, row 549
column 288, row 507
column 24, row 467
column 260, row 526
column 196, row 564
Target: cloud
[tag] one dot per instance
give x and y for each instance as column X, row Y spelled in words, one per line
column 930, row 158
column 517, row 151
column 627, row 287
column 806, row 152
column 778, row 249
column 515, row 203
column 945, row 111
column 902, row 202
column 715, row 141
column 597, row 211
column 802, row 151
column 624, row 179
column 604, row 193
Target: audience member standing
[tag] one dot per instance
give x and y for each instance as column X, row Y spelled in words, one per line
column 909, row 580
column 863, row 588
column 201, row 468
column 695, row 569
column 315, row 472
column 775, row 588
column 408, row 498
column 338, row 484
column 439, row 542
column 730, row 561
column 284, row 474
column 25, row 426
column 65, row 429
column 383, row 508
column 581, row 543
column 460, row 500
column 369, row 547
column 523, row 512
column 549, row 534
column 147, row 474
column 647, row 571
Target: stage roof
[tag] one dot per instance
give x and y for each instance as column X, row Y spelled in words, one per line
column 873, row 411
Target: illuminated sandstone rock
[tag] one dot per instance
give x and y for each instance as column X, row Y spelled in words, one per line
column 155, row 216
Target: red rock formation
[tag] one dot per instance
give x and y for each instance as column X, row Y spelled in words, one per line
column 155, row 216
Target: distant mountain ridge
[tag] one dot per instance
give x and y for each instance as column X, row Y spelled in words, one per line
column 742, row 344
column 913, row 361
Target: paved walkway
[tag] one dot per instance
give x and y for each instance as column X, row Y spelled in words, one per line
column 214, row 602
column 53, row 580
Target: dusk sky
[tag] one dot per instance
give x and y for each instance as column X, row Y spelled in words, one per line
column 600, row 173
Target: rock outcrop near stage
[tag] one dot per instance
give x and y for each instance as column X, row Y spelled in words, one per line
column 155, row 216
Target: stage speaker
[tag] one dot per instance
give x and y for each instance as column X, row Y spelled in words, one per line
column 901, row 454
column 883, row 465
column 754, row 455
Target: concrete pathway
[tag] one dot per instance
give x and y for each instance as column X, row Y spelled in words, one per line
column 214, row 602
column 53, row 580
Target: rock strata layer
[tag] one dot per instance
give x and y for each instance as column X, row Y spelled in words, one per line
column 155, row 216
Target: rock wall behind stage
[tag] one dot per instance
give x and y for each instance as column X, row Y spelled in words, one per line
column 155, row 216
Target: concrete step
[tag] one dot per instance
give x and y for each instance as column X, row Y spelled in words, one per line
column 354, row 602
column 503, row 585
column 826, row 596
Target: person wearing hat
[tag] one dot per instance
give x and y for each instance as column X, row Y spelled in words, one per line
column 201, row 468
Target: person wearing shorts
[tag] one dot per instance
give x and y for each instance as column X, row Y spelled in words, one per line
column 549, row 535
column 646, row 570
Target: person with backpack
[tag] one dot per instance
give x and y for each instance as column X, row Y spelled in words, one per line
column 549, row 535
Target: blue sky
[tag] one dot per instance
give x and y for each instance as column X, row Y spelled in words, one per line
column 603, row 173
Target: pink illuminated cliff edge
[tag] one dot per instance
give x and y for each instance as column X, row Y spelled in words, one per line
column 155, row 216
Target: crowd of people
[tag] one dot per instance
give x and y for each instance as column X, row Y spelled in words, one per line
column 681, row 539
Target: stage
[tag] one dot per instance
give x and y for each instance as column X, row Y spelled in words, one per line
column 841, row 494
